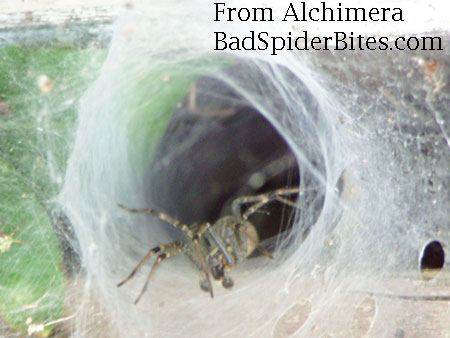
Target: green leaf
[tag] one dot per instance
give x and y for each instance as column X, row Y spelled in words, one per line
column 31, row 282
column 35, row 138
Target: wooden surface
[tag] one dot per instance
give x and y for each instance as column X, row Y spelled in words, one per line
column 32, row 13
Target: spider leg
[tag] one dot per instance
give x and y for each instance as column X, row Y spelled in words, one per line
column 255, row 207
column 179, row 247
column 261, row 200
column 185, row 228
column 220, row 246
column 162, row 216
column 203, row 266
column 265, row 199
column 238, row 239
column 238, row 202
column 202, row 262
column 286, row 201
column 147, row 256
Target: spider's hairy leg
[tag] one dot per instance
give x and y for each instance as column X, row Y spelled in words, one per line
column 185, row 228
column 225, row 249
column 240, row 201
column 178, row 247
column 147, row 256
column 261, row 200
column 196, row 246
column 162, row 216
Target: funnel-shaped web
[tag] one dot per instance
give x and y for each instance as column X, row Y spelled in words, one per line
column 369, row 130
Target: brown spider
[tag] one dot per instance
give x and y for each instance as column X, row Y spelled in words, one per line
column 214, row 248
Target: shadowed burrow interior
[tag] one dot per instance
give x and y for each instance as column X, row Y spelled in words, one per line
column 218, row 146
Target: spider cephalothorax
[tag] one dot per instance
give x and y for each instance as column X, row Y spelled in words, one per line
column 215, row 248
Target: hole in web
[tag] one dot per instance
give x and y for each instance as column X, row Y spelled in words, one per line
column 218, row 147
column 432, row 260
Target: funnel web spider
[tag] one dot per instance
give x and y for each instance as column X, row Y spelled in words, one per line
column 214, row 248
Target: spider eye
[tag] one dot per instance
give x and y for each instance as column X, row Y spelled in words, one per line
column 217, row 271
